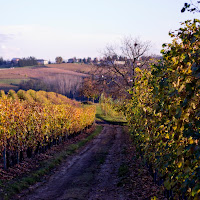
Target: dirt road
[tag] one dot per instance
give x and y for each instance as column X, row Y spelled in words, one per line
column 92, row 173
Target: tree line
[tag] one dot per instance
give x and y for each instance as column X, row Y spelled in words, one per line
column 29, row 61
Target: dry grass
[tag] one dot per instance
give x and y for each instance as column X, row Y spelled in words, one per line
column 35, row 72
column 18, row 74
column 76, row 67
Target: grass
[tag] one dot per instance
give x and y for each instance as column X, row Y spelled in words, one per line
column 76, row 67
column 10, row 78
column 29, row 67
column 116, row 119
column 11, row 81
column 10, row 188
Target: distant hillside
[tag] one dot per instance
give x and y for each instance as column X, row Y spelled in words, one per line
column 65, row 78
column 82, row 68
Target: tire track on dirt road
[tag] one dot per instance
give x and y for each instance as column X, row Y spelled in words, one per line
column 93, row 173
column 75, row 178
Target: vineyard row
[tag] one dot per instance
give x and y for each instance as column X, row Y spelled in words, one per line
column 32, row 120
column 164, row 113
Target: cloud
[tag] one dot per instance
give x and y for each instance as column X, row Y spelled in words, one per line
column 6, row 37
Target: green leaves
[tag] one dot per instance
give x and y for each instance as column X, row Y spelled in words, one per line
column 164, row 114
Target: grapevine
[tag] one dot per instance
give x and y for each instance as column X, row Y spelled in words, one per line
column 164, row 113
column 30, row 120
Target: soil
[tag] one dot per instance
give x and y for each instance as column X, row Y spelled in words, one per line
column 104, row 169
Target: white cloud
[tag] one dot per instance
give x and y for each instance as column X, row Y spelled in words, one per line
column 3, row 46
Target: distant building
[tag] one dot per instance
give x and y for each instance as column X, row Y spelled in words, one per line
column 73, row 60
column 42, row 62
column 117, row 62
column 15, row 60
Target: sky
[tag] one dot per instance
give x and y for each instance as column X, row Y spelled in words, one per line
column 46, row 29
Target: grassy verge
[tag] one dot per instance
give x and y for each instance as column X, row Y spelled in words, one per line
column 12, row 187
column 117, row 120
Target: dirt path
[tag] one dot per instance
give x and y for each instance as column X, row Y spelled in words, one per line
column 93, row 173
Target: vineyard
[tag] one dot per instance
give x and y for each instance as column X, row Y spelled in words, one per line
column 31, row 122
column 163, row 116
column 164, row 113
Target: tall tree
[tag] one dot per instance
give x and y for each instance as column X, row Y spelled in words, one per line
column 117, row 68
column 29, row 61
column 84, row 60
column 1, row 61
column 59, row 60
column 89, row 60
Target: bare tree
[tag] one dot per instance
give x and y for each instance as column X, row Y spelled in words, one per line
column 117, row 67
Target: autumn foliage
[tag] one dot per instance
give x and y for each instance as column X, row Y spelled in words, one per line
column 164, row 113
column 30, row 120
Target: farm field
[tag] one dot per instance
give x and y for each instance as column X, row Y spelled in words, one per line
column 76, row 67
column 10, row 78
